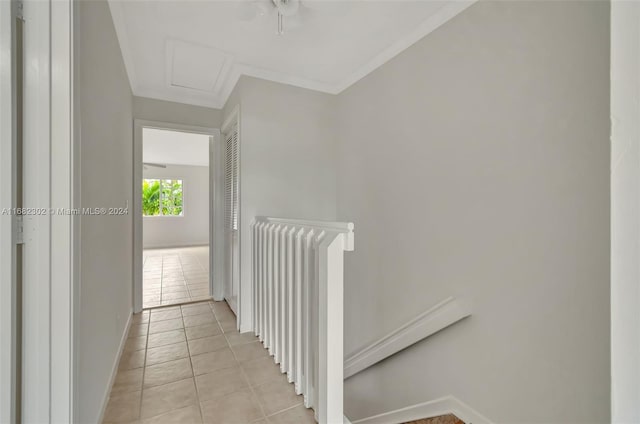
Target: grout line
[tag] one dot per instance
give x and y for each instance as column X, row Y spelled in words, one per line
column 193, row 374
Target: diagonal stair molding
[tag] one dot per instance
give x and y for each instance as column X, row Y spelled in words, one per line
column 439, row 317
column 433, row 408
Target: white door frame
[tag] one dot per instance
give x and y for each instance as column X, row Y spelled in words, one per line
column 7, row 199
column 215, row 205
column 235, row 304
column 48, row 184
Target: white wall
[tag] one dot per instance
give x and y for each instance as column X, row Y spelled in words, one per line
column 191, row 229
column 287, row 158
column 625, row 211
column 104, row 109
column 476, row 164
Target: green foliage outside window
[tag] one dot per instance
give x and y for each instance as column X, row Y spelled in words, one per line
column 165, row 192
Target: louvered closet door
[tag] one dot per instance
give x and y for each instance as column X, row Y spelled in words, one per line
column 232, row 233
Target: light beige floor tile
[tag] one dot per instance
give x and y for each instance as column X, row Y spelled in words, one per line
column 212, row 361
column 186, row 415
column 205, row 297
column 236, row 338
column 135, row 343
column 165, row 325
column 174, row 289
column 140, row 318
column 198, row 292
column 123, row 408
column 151, row 298
column 131, row 359
column 236, row 408
column 172, row 280
column 162, row 314
column 249, row 351
column 127, row 381
column 276, row 395
column 138, row 330
column 167, row 372
column 168, row 397
column 260, row 371
column 202, row 331
column 220, row 383
column 228, row 326
column 207, row 344
column 296, row 415
column 155, row 291
column 195, row 309
column 201, row 319
column 175, row 295
column 198, row 286
column 174, row 301
column 167, row 353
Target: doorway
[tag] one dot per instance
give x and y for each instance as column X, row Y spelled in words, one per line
column 175, row 214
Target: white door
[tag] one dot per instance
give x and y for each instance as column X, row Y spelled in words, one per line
column 232, row 233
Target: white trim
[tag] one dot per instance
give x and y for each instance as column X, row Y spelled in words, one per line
column 236, row 70
column 63, row 249
column 440, row 316
column 434, row 408
column 215, row 207
column 7, row 200
column 36, row 329
column 114, row 368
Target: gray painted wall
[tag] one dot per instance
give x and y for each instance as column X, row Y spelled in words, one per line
column 625, row 212
column 105, row 113
column 177, row 113
column 476, row 164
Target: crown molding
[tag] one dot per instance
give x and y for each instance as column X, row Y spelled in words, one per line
column 236, row 70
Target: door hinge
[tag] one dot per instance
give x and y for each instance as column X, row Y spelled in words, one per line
column 18, row 229
column 20, row 9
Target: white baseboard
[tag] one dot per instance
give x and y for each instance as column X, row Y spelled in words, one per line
column 114, row 369
column 439, row 317
column 443, row 406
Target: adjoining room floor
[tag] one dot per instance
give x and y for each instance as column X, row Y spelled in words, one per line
column 188, row 364
column 174, row 276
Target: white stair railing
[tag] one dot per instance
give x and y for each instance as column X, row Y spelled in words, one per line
column 298, row 305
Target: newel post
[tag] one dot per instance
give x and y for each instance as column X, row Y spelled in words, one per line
column 330, row 326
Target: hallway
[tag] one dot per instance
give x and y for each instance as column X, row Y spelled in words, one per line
column 188, row 364
column 175, row 275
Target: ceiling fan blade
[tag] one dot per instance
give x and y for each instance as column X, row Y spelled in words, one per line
column 155, row 165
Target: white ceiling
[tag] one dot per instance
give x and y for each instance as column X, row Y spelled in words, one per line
column 195, row 51
column 174, row 147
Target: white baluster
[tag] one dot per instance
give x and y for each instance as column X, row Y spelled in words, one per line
column 254, row 273
column 307, row 352
column 282, row 314
column 276, row 294
column 289, row 318
column 269, row 328
column 297, row 313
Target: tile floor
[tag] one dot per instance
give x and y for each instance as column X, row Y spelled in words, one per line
column 174, row 276
column 188, row 364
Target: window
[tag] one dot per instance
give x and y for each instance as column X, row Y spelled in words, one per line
column 162, row 197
